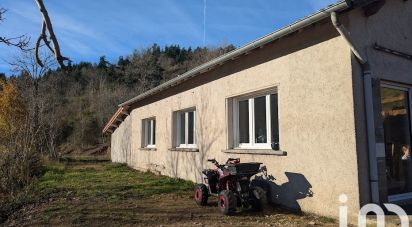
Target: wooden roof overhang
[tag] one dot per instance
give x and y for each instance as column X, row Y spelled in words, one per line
column 116, row 119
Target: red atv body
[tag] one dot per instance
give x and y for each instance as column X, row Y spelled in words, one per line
column 231, row 184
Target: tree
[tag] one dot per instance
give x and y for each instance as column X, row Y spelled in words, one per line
column 2, row 76
column 12, row 111
column 102, row 63
column 19, row 161
column 144, row 69
column 47, row 28
column 122, row 62
column 47, row 37
column 26, row 65
column 21, row 42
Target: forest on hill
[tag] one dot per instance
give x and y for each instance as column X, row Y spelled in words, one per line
column 48, row 111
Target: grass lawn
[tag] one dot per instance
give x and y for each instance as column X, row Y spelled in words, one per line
column 88, row 193
column 107, row 181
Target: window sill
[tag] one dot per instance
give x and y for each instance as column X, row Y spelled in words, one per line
column 183, row 149
column 148, row 149
column 256, row 151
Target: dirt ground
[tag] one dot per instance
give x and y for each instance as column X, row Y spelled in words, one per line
column 99, row 195
column 159, row 210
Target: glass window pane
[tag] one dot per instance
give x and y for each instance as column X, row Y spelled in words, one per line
column 244, row 121
column 149, row 132
column 154, row 132
column 274, row 117
column 182, row 128
column 191, row 120
column 396, row 122
column 144, row 133
column 260, row 120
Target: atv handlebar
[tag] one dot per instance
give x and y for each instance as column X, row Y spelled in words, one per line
column 234, row 160
column 214, row 162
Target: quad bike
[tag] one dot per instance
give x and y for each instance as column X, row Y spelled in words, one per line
column 231, row 184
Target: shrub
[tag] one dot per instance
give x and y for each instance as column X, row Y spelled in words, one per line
column 17, row 170
column 19, row 161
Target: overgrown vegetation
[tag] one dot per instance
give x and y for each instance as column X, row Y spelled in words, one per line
column 19, row 161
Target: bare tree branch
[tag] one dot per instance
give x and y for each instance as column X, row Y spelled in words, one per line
column 43, row 37
column 21, row 42
column 2, row 12
column 47, row 25
column 26, row 63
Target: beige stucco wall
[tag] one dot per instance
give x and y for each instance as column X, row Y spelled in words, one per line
column 391, row 28
column 120, row 142
column 316, row 109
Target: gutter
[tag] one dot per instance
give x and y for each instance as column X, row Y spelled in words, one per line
column 346, row 36
column 316, row 17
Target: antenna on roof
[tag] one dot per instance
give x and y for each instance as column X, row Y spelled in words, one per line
column 204, row 22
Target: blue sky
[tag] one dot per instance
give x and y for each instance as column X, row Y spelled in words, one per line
column 87, row 29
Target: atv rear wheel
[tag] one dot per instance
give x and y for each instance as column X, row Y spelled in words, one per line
column 227, row 202
column 201, row 194
column 257, row 196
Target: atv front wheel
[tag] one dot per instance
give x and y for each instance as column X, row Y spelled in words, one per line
column 201, row 194
column 227, row 202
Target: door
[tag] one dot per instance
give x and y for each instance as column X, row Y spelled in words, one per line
column 395, row 104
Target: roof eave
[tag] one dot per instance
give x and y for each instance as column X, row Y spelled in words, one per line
column 120, row 113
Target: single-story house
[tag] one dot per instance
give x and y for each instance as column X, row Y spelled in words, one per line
column 324, row 103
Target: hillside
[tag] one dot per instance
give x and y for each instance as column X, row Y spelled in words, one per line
column 71, row 107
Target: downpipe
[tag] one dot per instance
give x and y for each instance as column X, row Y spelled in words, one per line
column 368, row 99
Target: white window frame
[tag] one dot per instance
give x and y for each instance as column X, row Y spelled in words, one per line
column 252, row 144
column 178, row 125
column 148, row 139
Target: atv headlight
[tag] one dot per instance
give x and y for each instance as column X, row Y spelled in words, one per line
column 238, row 187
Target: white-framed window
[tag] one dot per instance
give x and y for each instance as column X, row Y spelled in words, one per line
column 149, row 133
column 185, row 129
column 256, row 121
